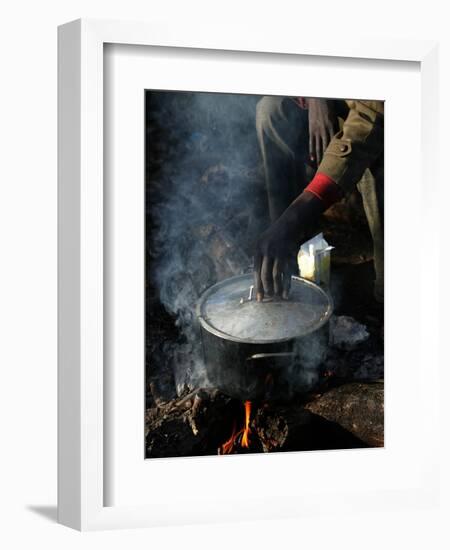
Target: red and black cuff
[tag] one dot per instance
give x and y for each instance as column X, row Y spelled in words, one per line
column 325, row 189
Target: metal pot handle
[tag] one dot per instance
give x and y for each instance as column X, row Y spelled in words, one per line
column 281, row 355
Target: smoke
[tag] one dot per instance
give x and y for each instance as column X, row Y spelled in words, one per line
column 203, row 193
column 311, row 352
column 205, row 206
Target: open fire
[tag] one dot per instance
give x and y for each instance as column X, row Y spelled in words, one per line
column 240, row 437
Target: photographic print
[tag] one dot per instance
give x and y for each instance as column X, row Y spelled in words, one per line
column 264, row 262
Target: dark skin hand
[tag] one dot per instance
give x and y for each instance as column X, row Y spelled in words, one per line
column 323, row 125
column 276, row 251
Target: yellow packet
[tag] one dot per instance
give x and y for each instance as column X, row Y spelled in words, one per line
column 314, row 260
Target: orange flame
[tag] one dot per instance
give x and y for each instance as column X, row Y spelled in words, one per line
column 228, row 446
column 245, row 439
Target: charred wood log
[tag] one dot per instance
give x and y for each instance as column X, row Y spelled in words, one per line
column 356, row 407
column 191, row 425
column 294, row 428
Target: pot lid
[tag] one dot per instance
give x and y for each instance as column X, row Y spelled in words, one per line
column 225, row 310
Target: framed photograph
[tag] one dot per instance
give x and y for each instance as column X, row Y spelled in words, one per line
column 243, row 319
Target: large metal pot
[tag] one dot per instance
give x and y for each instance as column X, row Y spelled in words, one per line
column 263, row 350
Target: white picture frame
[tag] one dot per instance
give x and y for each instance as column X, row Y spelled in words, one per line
column 81, row 362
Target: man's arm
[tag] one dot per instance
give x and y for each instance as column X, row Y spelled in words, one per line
column 348, row 155
column 356, row 147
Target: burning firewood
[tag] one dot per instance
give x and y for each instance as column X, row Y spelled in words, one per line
column 242, row 440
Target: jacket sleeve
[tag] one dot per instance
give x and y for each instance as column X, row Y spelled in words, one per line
column 356, row 146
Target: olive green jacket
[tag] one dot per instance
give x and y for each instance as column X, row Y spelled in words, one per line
column 358, row 146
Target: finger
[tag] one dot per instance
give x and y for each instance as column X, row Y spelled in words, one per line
column 267, row 275
column 278, row 266
column 259, row 289
column 287, row 278
column 318, row 149
column 290, row 269
column 311, row 147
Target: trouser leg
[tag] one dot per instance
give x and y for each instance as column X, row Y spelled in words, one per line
column 282, row 130
column 371, row 187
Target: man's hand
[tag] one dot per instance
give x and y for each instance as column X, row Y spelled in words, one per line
column 323, row 125
column 276, row 251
